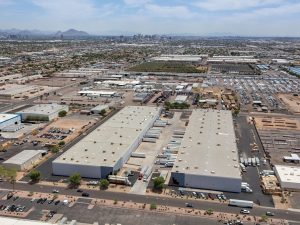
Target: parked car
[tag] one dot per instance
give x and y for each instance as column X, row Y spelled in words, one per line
column 211, row 196
column 84, row 194
column 56, row 202
column 189, row 205
column 245, row 211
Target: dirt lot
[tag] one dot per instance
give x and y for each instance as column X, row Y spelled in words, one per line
column 55, row 81
column 292, row 102
column 76, row 122
column 277, row 123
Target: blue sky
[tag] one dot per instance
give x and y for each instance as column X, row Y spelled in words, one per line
column 199, row 17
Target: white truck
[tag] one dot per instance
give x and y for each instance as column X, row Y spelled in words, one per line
column 243, row 168
column 240, row 203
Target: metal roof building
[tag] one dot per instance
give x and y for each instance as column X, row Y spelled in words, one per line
column 107, row 148
column 43, row 111
column 208, row 155
column 288, row 176
column 23, row 160
column 8, row 120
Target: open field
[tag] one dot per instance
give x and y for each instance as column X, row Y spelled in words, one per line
column 55, row 81
column 175, row 67
column 292, row 102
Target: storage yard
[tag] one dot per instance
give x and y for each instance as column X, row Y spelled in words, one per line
column 280, row 137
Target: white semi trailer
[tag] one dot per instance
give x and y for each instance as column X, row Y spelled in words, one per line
column 240, row 203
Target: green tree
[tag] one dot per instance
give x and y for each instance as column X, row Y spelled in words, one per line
column 75, row 179
column 61, row 143
column 55, row 149
column 103, row 112
column 210, row 211
column 158, row 183
column 35, row 175
column 104, row 183
column 236, row 112
column 9, row 174
column 264, row 218
column 62, row 113
column 153, row 206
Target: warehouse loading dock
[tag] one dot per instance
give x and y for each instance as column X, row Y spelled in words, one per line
column 107, row 149
column 208, row 156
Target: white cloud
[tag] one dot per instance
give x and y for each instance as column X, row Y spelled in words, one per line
column 67, row 8
column 168, row 11
column 136, row 2
column 227, row 5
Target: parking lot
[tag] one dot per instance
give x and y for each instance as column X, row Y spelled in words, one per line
column 81, row 211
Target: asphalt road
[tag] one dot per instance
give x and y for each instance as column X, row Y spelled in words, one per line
column 175, row 202
column 247, row 135
column 103, row 214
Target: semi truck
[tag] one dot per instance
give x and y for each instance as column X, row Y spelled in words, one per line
column 138, row 154
column 240, row 203
column 243, row 168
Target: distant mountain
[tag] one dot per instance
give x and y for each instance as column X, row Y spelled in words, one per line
column 72, row 33
column 18, row 33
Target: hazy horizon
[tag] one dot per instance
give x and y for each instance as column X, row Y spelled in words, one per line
column 269, row 18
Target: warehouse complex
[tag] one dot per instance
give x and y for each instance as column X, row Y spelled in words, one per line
column 7, row 120
column 288, row 176
column 43, row 112
column 107, row 148
column 208, row 156
column 24, row 160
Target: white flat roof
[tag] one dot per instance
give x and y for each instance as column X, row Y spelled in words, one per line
column 208, row 147
column 110, row 141
column 288, row 174
column 14, row 89
column 97, row 92
column 4, row 117
column 100, row 107
column 191, row 58
column 15, row 221
column 181, row 98
column 22, row 157
column 47, row 109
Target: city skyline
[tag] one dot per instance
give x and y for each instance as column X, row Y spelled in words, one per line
column 195, row 17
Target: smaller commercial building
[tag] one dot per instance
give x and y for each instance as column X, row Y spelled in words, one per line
column 99, row 108
column 288, row 176
column 294, row 158
column 15, row 91
column 107, row 94
column 181, row 98
column 24, row 160
column 42, row 112
column 7, row 120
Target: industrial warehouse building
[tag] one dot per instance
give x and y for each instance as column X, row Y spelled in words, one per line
column 99, row 108
column 108, row 147
column 12, row 91
column 288, row 177
column 208, row 155
column 42, row 112
column 24, row 160
column 7, row 120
